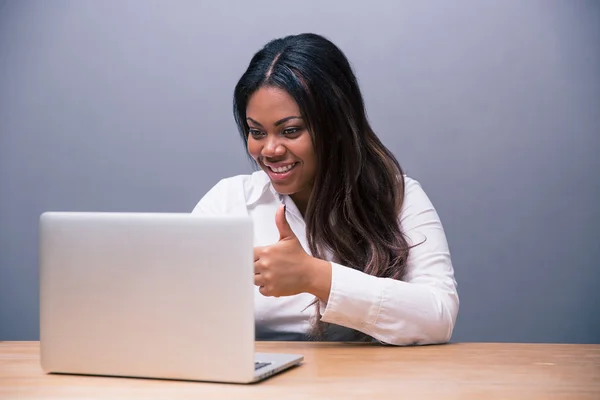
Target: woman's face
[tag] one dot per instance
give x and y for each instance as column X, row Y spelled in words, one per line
column 280, row 143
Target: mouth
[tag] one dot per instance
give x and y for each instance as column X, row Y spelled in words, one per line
column 281, row 171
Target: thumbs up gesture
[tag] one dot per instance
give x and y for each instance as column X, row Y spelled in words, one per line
column 284, row 268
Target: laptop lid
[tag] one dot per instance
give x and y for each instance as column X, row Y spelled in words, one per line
column 147, row 295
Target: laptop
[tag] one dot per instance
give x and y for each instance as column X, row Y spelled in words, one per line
column 150, row 295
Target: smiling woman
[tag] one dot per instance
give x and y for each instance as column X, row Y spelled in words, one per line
column 337, row 222
column 281, row 144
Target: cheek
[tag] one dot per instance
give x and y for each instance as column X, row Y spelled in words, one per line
column 310, row 158
column 253, row 148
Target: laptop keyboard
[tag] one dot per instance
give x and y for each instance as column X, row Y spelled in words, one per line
column 258, row 365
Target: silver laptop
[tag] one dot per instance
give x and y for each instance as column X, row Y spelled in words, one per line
column 150, row 295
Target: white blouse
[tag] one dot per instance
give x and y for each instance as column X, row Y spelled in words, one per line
column 420, row 309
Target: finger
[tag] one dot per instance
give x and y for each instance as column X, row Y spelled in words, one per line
column 257, row 267
column 285, row 231
column 264, row 291
column 257, row 252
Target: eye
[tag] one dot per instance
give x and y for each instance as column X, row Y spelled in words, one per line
column 255, row 133
column 290, row 131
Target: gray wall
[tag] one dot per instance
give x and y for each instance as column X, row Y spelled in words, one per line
column 493, row 105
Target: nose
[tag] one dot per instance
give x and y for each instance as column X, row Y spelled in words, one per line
column 273, row 147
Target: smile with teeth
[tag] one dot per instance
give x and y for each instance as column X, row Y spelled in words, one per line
column 282, row 170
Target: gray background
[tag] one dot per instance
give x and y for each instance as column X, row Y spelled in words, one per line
column 494, row 106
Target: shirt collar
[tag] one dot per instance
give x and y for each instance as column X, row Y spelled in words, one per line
column 259, row 187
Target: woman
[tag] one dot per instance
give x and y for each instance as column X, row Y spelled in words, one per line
column 347, row 246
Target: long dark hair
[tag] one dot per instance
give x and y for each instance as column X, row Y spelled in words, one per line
column 359, row 187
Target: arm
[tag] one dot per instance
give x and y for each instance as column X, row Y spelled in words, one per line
column 421, row 309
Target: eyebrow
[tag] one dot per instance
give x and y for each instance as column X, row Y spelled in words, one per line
column 281, row 121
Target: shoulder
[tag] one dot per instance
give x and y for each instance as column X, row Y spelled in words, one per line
column 251, row 186
column 416, row 204
column 233, row 192
column 413, row 191
column 410, row 184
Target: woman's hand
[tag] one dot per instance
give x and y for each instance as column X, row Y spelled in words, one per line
column 285, row 269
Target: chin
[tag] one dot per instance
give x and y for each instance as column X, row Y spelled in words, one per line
column 284, row 189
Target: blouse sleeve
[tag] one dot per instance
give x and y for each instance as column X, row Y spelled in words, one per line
column 420, row 309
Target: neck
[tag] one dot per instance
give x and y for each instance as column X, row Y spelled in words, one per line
column 301, row 201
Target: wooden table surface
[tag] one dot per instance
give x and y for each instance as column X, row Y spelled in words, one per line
column 345, row 371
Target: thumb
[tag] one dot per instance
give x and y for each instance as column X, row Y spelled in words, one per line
column 285, row 231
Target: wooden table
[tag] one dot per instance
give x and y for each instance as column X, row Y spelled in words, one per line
column 346, row 371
